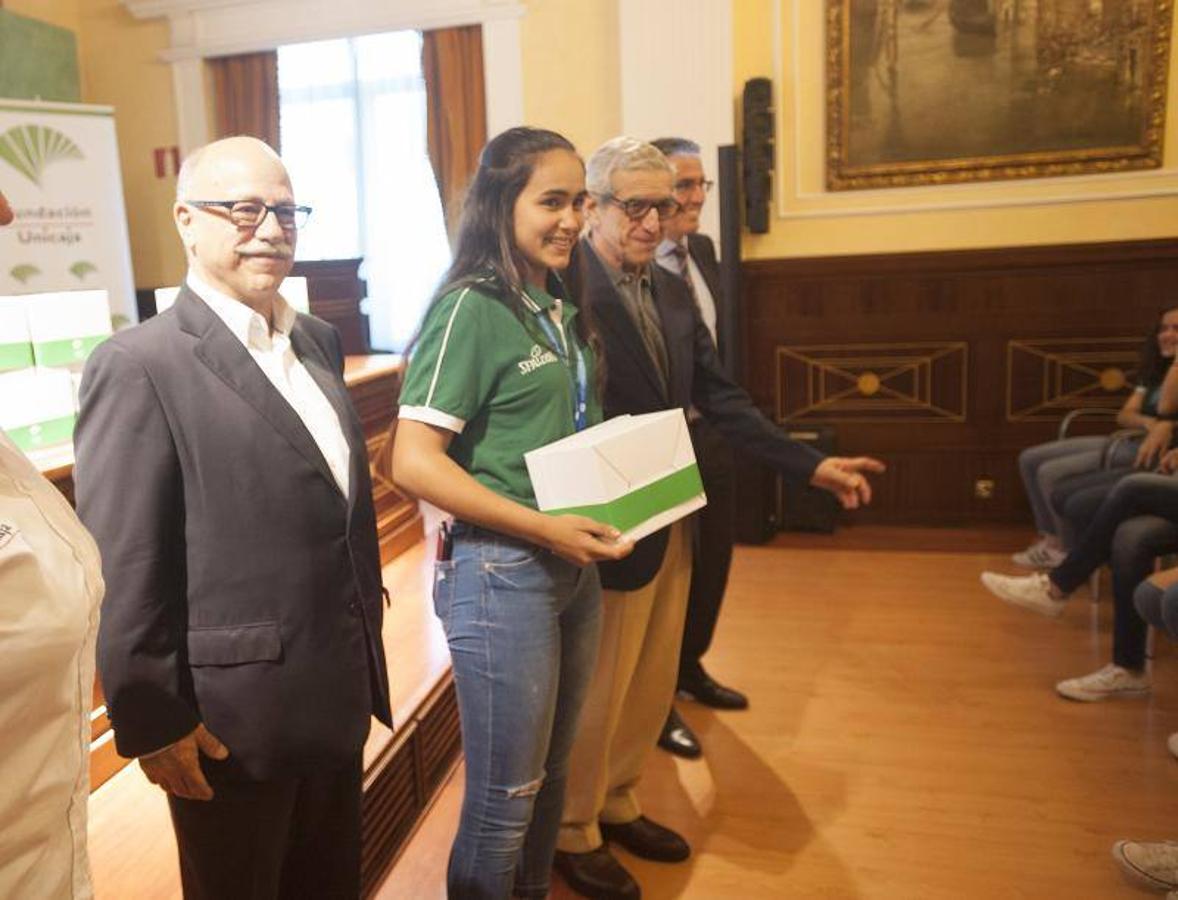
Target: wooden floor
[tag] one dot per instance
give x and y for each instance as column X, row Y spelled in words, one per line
column 904, row 739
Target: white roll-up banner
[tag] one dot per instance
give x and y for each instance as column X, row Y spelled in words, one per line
column 59, row 169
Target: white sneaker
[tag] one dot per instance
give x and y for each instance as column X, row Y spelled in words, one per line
column 1040, row 555
column 1031, row 592
column 1103, row 684
column 1172, row 744
column 1152, row 864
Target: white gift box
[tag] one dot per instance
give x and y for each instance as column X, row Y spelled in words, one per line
column 66, row 326
column 38, row 407
column 16, row 350
column 637, row 473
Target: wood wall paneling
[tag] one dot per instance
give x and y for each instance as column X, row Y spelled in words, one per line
column 947, row 364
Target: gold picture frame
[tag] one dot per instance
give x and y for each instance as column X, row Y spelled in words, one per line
column 924, row 92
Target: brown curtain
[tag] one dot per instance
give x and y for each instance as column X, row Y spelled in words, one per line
column 456, row 118
column 245, row 95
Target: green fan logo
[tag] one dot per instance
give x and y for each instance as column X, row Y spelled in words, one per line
column 24, row 272
column 30, row 148
column 82, row 268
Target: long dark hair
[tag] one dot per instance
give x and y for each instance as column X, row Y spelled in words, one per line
column 484, row 248
column 1151, row 365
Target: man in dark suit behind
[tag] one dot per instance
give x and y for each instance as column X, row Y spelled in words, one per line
column 223, row 473
column 691, row 255
column 658, row 355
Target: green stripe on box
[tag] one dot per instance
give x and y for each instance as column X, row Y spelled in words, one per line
column 68, row 351
column 43, row 434
column 639, row 505
column 16, row 356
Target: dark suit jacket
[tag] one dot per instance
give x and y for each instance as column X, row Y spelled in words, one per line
column 242, row 588
column 633, row 386
column 703, row 253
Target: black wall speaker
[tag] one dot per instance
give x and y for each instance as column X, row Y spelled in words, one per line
column 758, row 152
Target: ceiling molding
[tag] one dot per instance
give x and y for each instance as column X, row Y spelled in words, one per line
column 210, row 28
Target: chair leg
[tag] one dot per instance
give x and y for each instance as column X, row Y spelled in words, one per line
column 1094, row 586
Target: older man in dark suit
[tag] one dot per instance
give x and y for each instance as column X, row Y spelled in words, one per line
column 223, row 472
column 658, row 355
column 691, row 255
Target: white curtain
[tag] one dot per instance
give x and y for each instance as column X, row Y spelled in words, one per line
column 352, row 115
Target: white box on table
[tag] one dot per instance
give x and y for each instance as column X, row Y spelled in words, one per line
column 37, row 407
column 637, row 473
column 16, row 349
column 67, row 325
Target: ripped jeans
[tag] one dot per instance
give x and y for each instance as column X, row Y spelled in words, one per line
column 523, row 627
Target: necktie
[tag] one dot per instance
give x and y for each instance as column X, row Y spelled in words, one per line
column 685, row 271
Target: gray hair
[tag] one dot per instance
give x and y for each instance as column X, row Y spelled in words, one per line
column 622, row 154
column 676, row 146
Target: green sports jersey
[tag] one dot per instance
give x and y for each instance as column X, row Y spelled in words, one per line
column 489, row 372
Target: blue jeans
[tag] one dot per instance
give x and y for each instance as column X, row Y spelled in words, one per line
column 523, row 627
column 1137, row 522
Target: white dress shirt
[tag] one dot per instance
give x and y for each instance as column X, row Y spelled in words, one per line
column 277, row 360
column 665, row 257
column 50, row 589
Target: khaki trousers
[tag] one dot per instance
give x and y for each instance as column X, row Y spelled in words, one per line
column 630, row 694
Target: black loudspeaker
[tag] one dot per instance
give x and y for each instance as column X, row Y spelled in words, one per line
column 730, row 311
column 755, row 518
column 758, row 152
column 799, row 506
column 767, row 503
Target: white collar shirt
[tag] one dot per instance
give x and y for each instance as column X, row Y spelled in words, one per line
column 667, row 256
column 275, row 356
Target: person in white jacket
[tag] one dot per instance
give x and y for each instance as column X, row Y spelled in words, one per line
column 50, row 587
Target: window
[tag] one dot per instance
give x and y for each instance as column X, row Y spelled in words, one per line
column 353, row 122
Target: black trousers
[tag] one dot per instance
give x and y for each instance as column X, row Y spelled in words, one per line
column 265, row 840
column 711, row 545
column 1136, row 523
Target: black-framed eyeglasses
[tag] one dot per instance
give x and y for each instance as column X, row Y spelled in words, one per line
column 637, row 208
column 251, row 213
column 690, row 184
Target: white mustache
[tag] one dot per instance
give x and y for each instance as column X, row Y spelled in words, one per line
column 275, row 253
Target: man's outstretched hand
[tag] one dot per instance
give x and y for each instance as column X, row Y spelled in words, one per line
column 176, row 768
column 845, row 478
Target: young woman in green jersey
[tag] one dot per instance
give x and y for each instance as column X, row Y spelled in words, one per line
column 503, row 365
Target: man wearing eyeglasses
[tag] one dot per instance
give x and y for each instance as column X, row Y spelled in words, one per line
column 223, row 473
column 658, row 355
column 691, row 255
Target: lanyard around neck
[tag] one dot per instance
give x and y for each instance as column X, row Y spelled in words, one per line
column 580, row 377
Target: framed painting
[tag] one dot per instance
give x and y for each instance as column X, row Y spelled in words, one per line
column 938, row 91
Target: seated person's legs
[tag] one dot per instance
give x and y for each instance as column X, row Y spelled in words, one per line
column 1076, row 500
column 1136, row 545
column 1134, row 495
column 1040, row 468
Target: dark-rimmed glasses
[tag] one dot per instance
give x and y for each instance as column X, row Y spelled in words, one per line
column 251, row 213
column 637, row 208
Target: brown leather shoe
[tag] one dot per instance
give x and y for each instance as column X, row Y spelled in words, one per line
column 597, row 874
column 647, row 839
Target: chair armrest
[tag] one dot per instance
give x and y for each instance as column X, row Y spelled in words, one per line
column 1099, row 412
column 1115, row 440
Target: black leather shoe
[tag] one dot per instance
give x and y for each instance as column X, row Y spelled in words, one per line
column 678, row 738
column 597, row 874
column 647, row 839
column 702, row 688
